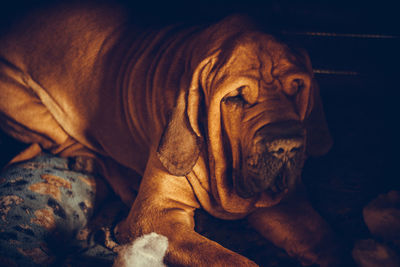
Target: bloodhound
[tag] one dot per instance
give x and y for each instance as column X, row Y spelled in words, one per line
column 220, row 118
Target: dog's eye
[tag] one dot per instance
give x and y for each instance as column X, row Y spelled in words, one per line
column 295, row 86
column 235, row 97
column 242, row 95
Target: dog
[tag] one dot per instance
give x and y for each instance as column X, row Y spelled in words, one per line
column 219, row 117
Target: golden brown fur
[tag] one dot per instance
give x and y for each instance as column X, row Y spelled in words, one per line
column 160, row 104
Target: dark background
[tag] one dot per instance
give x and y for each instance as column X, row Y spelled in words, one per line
column 356, row 62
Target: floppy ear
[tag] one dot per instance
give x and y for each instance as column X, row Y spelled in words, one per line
column 179, row 146
column 319, row 140
column 181, row 141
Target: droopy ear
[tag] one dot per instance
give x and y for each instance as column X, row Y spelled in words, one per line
column 319, row 140
column 179, row 147
column 181, row 141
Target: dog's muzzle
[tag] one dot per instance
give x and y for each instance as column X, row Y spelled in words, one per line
column 274, row 160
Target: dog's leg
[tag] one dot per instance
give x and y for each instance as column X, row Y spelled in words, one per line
column 299, row 229
column 165, row 204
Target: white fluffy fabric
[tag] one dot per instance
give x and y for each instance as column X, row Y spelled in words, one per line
column 146, row 251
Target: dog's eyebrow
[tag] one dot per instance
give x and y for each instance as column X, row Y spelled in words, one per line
column 234, row 76
column 251, row 76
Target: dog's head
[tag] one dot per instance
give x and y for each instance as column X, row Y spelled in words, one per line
column 255, row 106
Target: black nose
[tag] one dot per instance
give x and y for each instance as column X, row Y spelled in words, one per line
column 285, row 148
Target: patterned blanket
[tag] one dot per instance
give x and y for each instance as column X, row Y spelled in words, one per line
column 49, row 216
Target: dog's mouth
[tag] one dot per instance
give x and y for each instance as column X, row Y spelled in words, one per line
column 254, row 183
column 279, row 184
column 270, row 162
column 270, row 175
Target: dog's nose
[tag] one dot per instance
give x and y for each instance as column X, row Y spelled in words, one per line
column 285, row 148
column 282, row 140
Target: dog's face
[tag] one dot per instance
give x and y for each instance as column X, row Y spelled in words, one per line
column 259, row 109
column 263, row 116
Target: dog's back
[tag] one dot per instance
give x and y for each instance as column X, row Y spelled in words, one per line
column 52, row 68
column 87, row 73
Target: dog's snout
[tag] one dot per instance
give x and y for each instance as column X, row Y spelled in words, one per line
column 282, row 140
column 275, row 159
column 281, row 130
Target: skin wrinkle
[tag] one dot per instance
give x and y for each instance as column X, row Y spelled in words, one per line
column 232, row 129
column 17, row 128
column 205, row 83
column 121, row 82
column 226, row 53
column 28, row 98
column 263, row 118
column 266, row 68
column 261, row 108
column 196, row 99
column 175, row 45
column 138, row 58
column 152, row 73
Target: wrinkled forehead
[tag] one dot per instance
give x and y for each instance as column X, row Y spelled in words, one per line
column 255, row 61
column 262, row 55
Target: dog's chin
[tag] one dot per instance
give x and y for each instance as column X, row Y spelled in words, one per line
column 275, row 187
